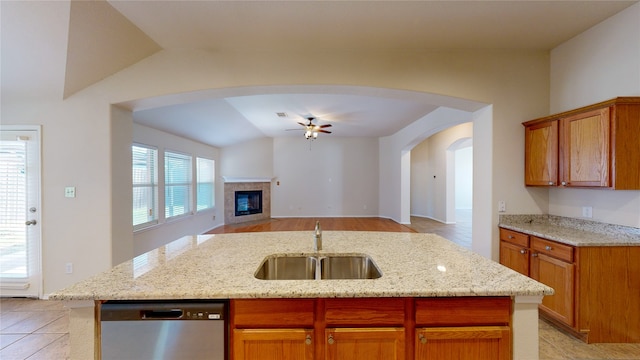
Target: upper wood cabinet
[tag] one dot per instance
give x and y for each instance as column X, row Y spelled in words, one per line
column 541, row 154
column 594, row 146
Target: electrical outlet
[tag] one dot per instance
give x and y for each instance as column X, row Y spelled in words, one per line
column 587, row 212
column 68, row 268
column 502, row 206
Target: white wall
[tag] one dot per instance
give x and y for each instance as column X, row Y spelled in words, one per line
column 463, row 174
column 597, row 65
column 248, row 159
column 198, row 223
column 330, row 176
column 430, row 176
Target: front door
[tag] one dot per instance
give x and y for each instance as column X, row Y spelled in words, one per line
column 20, row 262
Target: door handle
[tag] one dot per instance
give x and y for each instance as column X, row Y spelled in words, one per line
column 30, row 222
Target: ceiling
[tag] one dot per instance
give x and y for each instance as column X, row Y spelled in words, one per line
column 226, row 117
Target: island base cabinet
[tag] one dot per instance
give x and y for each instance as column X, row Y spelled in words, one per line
column 365, row 344
column 463, row 343
column 272, row 344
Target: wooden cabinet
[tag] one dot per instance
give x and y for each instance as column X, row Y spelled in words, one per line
column 594, row 146
column 268, row 329
column 541, row 154
column 596, row 287
column 365, row 343
column 514, row 251
column 470, row 330
column 260, row 344
column 463, row 343
column 548, row 262
column 552, row 264
column 371, row 328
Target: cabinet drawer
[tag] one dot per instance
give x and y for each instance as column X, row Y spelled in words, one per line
column 365, row 312
column 464, row 311
column 273, row 313
column 552, row 248
column 514, row 237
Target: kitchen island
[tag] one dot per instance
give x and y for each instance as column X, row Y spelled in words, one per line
column 414, row 267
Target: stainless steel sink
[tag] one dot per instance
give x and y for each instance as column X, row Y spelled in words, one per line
column 349, row 267
column 321, row 267
column 287, row 268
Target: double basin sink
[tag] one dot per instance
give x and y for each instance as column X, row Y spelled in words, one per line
column 317, row 267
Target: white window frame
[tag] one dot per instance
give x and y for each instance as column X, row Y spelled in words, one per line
column 153, row 184
column 169, row 184
column 199, row 175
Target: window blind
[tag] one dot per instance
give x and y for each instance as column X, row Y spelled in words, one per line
column 145, row 186
column 205, row 173
column 177, row 184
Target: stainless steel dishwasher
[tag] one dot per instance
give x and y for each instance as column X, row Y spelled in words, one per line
column 189, row 330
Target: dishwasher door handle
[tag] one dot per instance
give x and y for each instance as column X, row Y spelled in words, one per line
column 161, row 314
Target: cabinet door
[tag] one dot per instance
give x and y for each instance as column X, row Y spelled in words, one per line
column 272, row 344
column 541, row 154
column 585, row 149
column 365, row 344
column 560, row 276
column 514, row 257
column 463, row 343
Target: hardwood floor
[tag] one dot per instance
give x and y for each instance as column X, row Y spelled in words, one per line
column 39, row 329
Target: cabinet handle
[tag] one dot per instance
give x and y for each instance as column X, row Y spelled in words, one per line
column 307, row 340
column 548, row 248
column 330, row 340
column 523, row 251
column 423, row 340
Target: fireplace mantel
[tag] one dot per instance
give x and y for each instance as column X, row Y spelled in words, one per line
column 238, row 179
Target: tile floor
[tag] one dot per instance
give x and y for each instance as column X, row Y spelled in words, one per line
column 38, row 329
column 33, row 329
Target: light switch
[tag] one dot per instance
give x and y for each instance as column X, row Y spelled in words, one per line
column 70, row 191
column 502, row 206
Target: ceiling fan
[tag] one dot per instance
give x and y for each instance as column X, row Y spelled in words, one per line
column 312, row 130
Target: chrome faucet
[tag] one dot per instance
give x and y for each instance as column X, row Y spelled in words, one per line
column 317, row 237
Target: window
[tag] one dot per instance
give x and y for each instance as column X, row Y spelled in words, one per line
column 145, row 186
column 205, row 174
column 177, row 184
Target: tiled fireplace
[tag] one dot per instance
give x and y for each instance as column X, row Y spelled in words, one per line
column 247, row 190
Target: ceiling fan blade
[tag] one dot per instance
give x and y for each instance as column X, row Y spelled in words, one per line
column 302, row 124
column 324, row 131
column 326, row 125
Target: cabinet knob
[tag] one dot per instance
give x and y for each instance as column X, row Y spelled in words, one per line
column 564, row 183
column 510, row 236
column 307, row 340
column 423, row 340
column 548, row 248
column 551, row 183
column 534, row 254
column 330, row 340
column 523, row 251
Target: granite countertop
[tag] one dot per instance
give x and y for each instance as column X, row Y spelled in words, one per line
column 571, row 231
column 223, row 266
